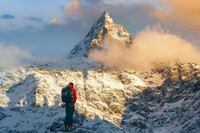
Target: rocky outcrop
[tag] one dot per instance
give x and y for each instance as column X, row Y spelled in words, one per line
column 173, row 107
column 184, row 71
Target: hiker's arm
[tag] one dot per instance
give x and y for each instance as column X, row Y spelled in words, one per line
column 75, row 96
column 62, row 91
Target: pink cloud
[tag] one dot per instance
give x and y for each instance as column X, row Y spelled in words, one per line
column 73, row 8
column 184, row 12
column 54, row 20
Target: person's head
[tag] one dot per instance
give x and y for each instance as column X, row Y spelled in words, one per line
column 71, row 84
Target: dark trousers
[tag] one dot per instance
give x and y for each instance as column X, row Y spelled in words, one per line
column 69, row 115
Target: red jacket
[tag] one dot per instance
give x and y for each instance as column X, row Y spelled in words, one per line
column 74, row 91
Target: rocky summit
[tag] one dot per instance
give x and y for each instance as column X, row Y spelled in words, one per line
column 94, row 39
column 165, row 99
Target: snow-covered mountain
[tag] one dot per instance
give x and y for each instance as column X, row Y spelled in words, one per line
column 94, row 39
column 162, row 100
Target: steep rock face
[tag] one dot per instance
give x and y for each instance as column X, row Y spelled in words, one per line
column 184, row 71
column 94, row 39
column 170, row 108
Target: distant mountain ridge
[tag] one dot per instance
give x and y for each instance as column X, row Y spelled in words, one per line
column 94, row 39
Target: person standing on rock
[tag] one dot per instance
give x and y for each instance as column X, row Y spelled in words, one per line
column 69, row 98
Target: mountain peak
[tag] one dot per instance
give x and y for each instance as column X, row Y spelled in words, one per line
column 106, row 18
column 104, row 21
column 94, row 39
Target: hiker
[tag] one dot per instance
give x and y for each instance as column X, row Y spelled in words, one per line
column 69, row 98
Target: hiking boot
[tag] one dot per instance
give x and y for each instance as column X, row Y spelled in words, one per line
column 70, row 128
column 66, row 128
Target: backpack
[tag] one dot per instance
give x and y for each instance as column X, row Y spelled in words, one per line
column 67, row 95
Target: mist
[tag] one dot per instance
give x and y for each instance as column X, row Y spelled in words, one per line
column 13, row 56
column 150, row 47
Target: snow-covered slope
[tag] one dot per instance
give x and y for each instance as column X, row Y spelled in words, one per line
column 33, row 102
column 108, row 100
column 94, row 39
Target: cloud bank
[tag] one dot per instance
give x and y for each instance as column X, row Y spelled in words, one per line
column 13, row 56
column 150, row 47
